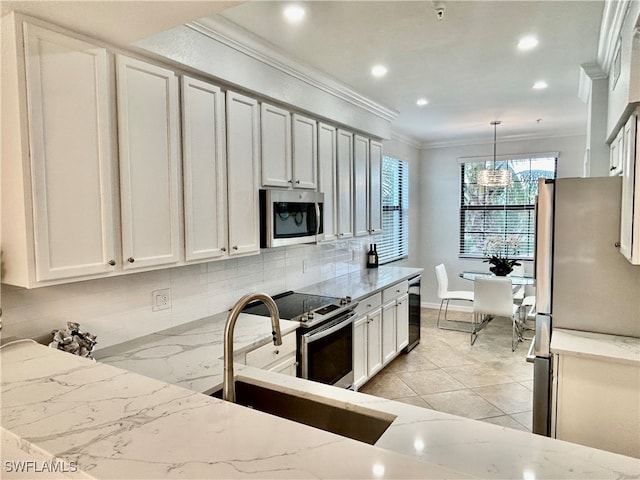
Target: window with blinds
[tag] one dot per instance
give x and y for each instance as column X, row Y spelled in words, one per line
column 393, row 244
column 503, row 216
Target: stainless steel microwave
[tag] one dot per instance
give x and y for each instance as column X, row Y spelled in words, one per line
column 289, row 217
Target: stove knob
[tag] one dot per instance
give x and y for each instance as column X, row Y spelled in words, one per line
column 304, row 317
column 343, row 301
column 348, row 299
column 310, row 315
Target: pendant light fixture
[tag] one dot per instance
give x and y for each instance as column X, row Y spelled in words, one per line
column 494, row 177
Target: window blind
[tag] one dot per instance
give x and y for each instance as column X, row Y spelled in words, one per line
column 393, row 244
column 502, row 216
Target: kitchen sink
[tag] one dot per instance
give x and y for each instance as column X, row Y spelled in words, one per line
column 359, row 426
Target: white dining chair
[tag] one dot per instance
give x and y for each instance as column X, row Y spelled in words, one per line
column 446, row 295
column 493, row 297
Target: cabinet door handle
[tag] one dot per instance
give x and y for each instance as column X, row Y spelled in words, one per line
column 223, row 249
column 277, row 352
column 131, row 259
column 297, row 182
column 112, row 262
column 235, row 247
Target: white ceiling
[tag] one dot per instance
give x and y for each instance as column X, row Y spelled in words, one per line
column 467, row 65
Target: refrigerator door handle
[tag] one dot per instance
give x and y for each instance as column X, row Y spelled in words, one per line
column 542, row 338
column 531, row 357
column 544, row 245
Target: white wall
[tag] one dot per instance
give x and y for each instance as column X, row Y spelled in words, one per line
column 118, row 309
column 439, row 204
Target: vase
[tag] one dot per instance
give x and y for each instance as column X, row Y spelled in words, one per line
column 501, row 270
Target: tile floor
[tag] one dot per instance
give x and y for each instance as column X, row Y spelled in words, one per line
column 444, row 372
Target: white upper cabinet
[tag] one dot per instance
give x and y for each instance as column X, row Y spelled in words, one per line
column 360, row 185
column 149, row 144
column 204, row 170
column 275, row 137
column 616, row 154
column 344, row 183
column 327, row 178
column 375, row 187
column 62, row 224
column 305, row 156
column 243, row 157
column 630, row 209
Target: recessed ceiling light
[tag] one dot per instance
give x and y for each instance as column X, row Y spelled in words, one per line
column 421, row 102
column 294, row 13
column 379, row 71
column 540, row 85
column 528, row 42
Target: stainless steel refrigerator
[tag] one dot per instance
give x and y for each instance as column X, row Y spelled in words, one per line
column 582, row 280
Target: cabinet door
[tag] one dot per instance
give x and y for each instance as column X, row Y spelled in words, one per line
column 70, row 126
column 149, row 135
column 327, row 177
column 630, row 203
column 388, row 331
column 205, row 170
column 360, row 185
column 360, row 351
column 616, row 157
column 402, row 322
column 375, row 188
column 344, row 184
column 275, row 137
column 305, row 157
column 374, row 342
column 243, row 156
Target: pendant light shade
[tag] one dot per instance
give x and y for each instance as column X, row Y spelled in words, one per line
column 494, row 177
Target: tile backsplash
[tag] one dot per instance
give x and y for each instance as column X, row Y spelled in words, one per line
column 118, row 309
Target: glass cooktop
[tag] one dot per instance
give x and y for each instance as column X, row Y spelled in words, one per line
column 292, row 305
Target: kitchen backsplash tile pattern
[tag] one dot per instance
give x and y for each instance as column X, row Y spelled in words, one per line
column 118, row 309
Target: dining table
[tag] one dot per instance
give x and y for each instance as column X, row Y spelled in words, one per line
column 515, row 279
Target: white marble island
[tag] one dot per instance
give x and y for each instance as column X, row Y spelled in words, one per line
column 110, row 422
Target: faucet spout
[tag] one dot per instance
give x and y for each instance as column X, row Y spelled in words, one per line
column 228, row 385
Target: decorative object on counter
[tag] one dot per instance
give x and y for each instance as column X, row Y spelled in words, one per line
column 498, row 251
column 72, row 340
column 372, row 256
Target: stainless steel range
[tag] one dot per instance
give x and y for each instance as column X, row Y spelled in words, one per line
column 325, row 337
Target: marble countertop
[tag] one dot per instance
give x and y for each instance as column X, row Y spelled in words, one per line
column 363, row 283
column 597, row 345
column 139, row 412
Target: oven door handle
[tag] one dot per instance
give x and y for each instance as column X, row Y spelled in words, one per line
column 321, row 333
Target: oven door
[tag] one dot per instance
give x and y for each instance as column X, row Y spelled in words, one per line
column 326, row 352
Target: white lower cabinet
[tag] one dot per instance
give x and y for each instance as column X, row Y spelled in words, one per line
column 380, row 331
column 367, row 339
column 597, row 403
column 402, row 322
column 275, row 358
column 149, row 145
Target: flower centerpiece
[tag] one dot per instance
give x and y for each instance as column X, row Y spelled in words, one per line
column 497, row 250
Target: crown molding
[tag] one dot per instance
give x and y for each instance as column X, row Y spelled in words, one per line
column 507, row 139
column 613, row 17
column 405, row 139
column 233, row 36
column 588, row 73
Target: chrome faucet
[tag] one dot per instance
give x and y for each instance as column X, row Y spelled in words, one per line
column 228, row 386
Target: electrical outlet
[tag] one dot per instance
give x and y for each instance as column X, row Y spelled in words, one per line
column 161, row 299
